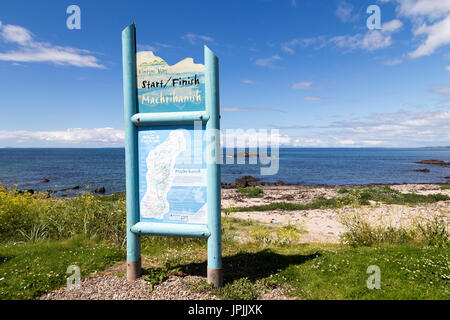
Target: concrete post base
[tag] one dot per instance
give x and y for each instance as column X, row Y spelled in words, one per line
column 215, row 277
column 134, row 270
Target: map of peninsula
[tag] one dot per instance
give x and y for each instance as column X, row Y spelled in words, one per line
column 160, row 175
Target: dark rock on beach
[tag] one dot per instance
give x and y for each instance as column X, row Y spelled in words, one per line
column 434, row 162
column 245, row 154
column 246, row 181
column 421, row 170
column 249, row 181
column 100, row 190
column 73, row 188
column 29, row 191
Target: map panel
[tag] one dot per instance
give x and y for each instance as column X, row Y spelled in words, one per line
column 172, row 175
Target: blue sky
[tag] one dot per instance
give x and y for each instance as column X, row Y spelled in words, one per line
column 311, row 69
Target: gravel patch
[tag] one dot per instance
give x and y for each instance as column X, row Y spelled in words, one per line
column 275, row 294
column 111, row 287
column 103, row 288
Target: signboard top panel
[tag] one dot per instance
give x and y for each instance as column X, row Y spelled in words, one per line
column 169, row 88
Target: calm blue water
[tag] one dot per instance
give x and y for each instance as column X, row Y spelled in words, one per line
column 67, row 168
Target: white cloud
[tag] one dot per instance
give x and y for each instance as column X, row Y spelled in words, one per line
column 431, row 20
column 437, row 35
column 33, row 51
column 447, row 68
column 252, row 137
column 302, row 85
column 311, row 98
column 346, row 142
column 267, row 62
column 371, row 40
column 194, row 38
column 247, row 81
column 317, row 42
column 74, row 136
column 442, row 91
column 412, row 128
column 241, row 109
column 392, row 62
column 17, row 34
column 392, row 26
column 146, row 47
column 344, row 11
column 430, row 9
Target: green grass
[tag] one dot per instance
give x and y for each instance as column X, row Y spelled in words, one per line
column 28, row 270
column 345, row 197
column 445, row 187
column 251, row 192
column 330, row 272
column 306, row 271
column 340, row 273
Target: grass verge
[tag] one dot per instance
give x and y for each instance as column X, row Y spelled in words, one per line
column 28, row 270
column 306, row 271
column 251, row 192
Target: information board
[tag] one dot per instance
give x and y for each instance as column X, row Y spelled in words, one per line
column 172, row 141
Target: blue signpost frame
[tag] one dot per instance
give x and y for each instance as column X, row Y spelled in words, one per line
column 133, row 120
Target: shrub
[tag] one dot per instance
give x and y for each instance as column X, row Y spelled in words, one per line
column 155, row 276
column 281, row 236
column 241, row 289
column 288, row 234
column 434, row 233
column 34, row 217
column 361, row 233
column 251, row 192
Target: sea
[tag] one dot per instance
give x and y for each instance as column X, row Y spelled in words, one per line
column 88, row 169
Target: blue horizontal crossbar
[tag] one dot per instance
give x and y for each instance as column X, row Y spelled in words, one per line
column 171, row 229
column 169, row 118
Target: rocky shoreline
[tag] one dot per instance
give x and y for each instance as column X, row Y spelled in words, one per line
column 250, row 181
column 243, row 182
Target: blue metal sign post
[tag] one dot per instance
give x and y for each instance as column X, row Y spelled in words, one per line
column 166, row 194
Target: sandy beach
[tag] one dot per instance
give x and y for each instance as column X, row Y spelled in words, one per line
column 324, row 225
